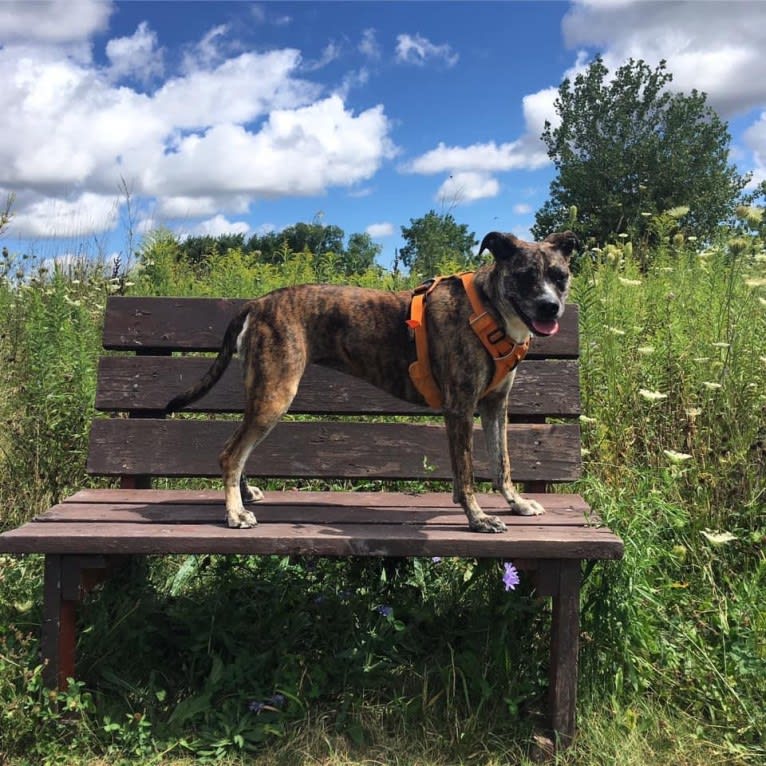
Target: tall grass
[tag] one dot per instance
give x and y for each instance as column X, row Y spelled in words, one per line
column 422, row 662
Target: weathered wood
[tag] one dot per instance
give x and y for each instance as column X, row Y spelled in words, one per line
column 184, row 447
column 542, row 388
column 528, row 541
column 295, row 507
column 198, row 324
column 559, row 502
column 57, row 630
column 565, row 642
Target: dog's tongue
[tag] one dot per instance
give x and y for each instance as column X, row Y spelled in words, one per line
column 550, row 327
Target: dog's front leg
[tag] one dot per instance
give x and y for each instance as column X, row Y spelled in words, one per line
column 494, row 417
column 460, row 438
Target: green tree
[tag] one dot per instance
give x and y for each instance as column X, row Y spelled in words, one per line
column 627, row 148
column 360, row 253
column 301, row 237
column 197, row 250
column 435, row 238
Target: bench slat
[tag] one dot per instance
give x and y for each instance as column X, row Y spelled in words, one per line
column 186, row 447
column 542, row 388
column 341, row 539
column 198, row 324
column 296, row 507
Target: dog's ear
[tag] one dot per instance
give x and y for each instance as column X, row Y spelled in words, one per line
column 566, row 241
column 501, row 245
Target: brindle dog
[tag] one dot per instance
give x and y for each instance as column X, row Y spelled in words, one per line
column 364, row 333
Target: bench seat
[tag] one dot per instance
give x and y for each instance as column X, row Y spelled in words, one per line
column 310, row 523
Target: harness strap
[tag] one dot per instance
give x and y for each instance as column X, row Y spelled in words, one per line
column 420, row 370
column 505, row 353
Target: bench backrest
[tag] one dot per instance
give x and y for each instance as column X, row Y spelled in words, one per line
column 155, row 337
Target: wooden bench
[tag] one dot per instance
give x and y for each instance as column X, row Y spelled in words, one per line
column 83, row 536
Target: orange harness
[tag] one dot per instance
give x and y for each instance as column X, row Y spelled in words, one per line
column 501, row 348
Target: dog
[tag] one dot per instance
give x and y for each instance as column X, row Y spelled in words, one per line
column 364, row 332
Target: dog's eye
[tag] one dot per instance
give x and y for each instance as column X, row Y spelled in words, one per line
column 559, row 278
column 525, row 279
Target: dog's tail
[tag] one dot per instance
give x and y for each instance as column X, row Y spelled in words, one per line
column 217, row 368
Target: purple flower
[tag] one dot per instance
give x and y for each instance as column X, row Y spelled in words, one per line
column 386, row 611
column 277, row 700
column 255, row 706
column 510, row 576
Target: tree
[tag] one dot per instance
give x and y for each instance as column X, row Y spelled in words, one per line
column 434, row 238
column 312, row 237
column 360, row 254
column 627, row 149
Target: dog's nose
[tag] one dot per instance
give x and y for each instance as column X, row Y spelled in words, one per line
column 547, row 309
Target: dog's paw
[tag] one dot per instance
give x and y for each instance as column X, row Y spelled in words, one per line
column 241, row 519
column 486, row 523
column 524, row 507
column 250, row 494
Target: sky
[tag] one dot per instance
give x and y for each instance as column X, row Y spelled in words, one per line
column 214, row 117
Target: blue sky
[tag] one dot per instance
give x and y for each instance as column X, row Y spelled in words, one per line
column 250, row 117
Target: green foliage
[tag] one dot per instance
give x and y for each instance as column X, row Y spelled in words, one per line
column 435, row 240
column 272, row 248
column 627, row 148
column 252, row 660
column 49, row 346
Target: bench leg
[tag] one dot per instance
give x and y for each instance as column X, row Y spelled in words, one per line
column 66, row 579
column 561, row 580
column 58, row 638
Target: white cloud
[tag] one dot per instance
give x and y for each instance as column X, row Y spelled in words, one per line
column 488, row 157
column 52, row 21
column 380, row 230
column 80, row 217
column 218, row 225
column 182, row 206
column 416, row 49
column 522, row 208
column 468, row 186
column 716, row 47
column 137, row 55
column 369, row 46
column 296, row 152
column 210, row 140
column 330, row 53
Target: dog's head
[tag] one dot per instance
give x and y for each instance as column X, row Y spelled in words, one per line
column 531, row 279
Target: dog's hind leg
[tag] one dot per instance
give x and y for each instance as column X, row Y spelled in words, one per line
column 248, row 492
column 264, row 407
column 460, row 438
column 493, row 410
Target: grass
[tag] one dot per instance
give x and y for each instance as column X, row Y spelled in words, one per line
column 420, row 662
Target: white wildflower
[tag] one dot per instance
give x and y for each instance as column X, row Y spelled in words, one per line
column 645, row 350
column 721, row 344
column 676, row 457
column 629, row 282
column 718, row 538
column 710, row 385
column 652, row 396
column 616, row 331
